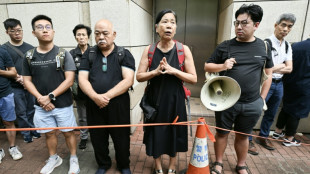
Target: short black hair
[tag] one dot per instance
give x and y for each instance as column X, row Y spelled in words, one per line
column 40, row 17
column 81, row 26
column 162, row 13
column 255, row 11
column 11, row 23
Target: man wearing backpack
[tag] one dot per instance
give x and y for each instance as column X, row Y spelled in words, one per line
column 105, row 75
column 282, row 60
column 81, row 34
column 48, row 74
column 24, row 101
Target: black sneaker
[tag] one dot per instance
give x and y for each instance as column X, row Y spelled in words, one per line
column 276, row 135
column 82, row 144
column 289, row 143
column 28, row 139
column 35, row 135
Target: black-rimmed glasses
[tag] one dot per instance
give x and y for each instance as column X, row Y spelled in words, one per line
column 16, row 31
column 40, row 27
column 104, row 64
column 242, row 23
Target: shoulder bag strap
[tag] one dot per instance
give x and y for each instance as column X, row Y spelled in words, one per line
column 21, row 54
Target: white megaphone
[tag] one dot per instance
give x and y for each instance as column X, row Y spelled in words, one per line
column 219, row 92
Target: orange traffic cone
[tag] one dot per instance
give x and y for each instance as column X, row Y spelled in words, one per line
column 199, row 163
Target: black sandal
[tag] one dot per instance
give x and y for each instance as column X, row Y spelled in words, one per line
column 172, row 171
column 158, row 171
column 238, row 168
column 213, row 169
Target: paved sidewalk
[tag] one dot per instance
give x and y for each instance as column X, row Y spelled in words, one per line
column 283, row 160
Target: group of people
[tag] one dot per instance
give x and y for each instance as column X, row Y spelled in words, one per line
column 100, row 77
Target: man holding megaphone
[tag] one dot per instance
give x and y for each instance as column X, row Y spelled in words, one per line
column 241, row 58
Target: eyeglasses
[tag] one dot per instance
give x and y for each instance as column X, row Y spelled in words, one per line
column 283, row 25
column 242, row 23
column 16, row 31
column 104, row 64
column 40, row 27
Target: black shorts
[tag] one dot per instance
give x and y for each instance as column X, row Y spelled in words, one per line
column 243, row 116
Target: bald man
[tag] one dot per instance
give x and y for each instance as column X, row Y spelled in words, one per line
column 105, row 75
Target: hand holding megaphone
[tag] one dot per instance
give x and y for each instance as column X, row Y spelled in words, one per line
column 229, row 63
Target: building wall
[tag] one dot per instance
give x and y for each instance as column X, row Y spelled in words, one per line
column 132, row 19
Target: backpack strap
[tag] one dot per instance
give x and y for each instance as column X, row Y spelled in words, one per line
column 181, row 55
column 286, row 47
column 92, row 55
column 120, row 54
column 29, row 55
column 151, row 52
column 60, row 57
column 270, row 43
column 19, row 52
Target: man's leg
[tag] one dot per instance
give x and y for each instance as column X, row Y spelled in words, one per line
column 21, row 114
column 71, row 141
column 241, row 146
column 10, row 134
column 51, row 142
column 219, row 147
column 81, row 111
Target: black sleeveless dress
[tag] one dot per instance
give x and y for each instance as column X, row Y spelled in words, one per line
column 166, row 139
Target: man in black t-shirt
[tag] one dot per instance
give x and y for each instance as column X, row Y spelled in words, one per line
column 24, row 101
column 106, row 80
column 49, row 80
column 81, row 34
column 7, row 110
column 242, row 59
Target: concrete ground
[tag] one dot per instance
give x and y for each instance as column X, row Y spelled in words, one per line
column 283, row 160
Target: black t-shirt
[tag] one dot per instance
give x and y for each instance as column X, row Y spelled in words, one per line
column 5, row 62
column 77, row 57
column 250, row 58
column 18, row 60
column 104, row 81
column 46, row 78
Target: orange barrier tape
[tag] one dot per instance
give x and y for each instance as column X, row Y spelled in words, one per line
column 185, row 123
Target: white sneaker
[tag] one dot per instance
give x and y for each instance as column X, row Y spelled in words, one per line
column 2, row 154
column 50, row 165
column 15, row 153
column 74, row 166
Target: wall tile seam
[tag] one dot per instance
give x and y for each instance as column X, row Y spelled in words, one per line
column 43, row 2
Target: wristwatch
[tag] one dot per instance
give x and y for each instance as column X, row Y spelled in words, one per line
column 52, row 96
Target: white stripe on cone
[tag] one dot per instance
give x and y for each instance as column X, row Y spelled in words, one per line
column 199, row 156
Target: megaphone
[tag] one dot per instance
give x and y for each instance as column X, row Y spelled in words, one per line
column 219, row 92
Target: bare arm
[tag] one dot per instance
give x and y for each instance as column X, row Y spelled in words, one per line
column 122, row 86
column 284, row 68
column 10, row 72
column 89, row 91
column 48, row 106
column 213, row 67
column 267, row 83
column 142, row 73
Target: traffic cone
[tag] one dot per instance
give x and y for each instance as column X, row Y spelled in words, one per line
column 199, row 163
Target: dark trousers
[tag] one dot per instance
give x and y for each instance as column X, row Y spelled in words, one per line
column 117, row 112
column 289, row 122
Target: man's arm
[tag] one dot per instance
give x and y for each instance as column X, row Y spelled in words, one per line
column 89, row 91
column 213, row 67
column 284, row 68
column 122, row 86
column 63, row 87
column 9, row 73
column 48, row 106
column 267, row 83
